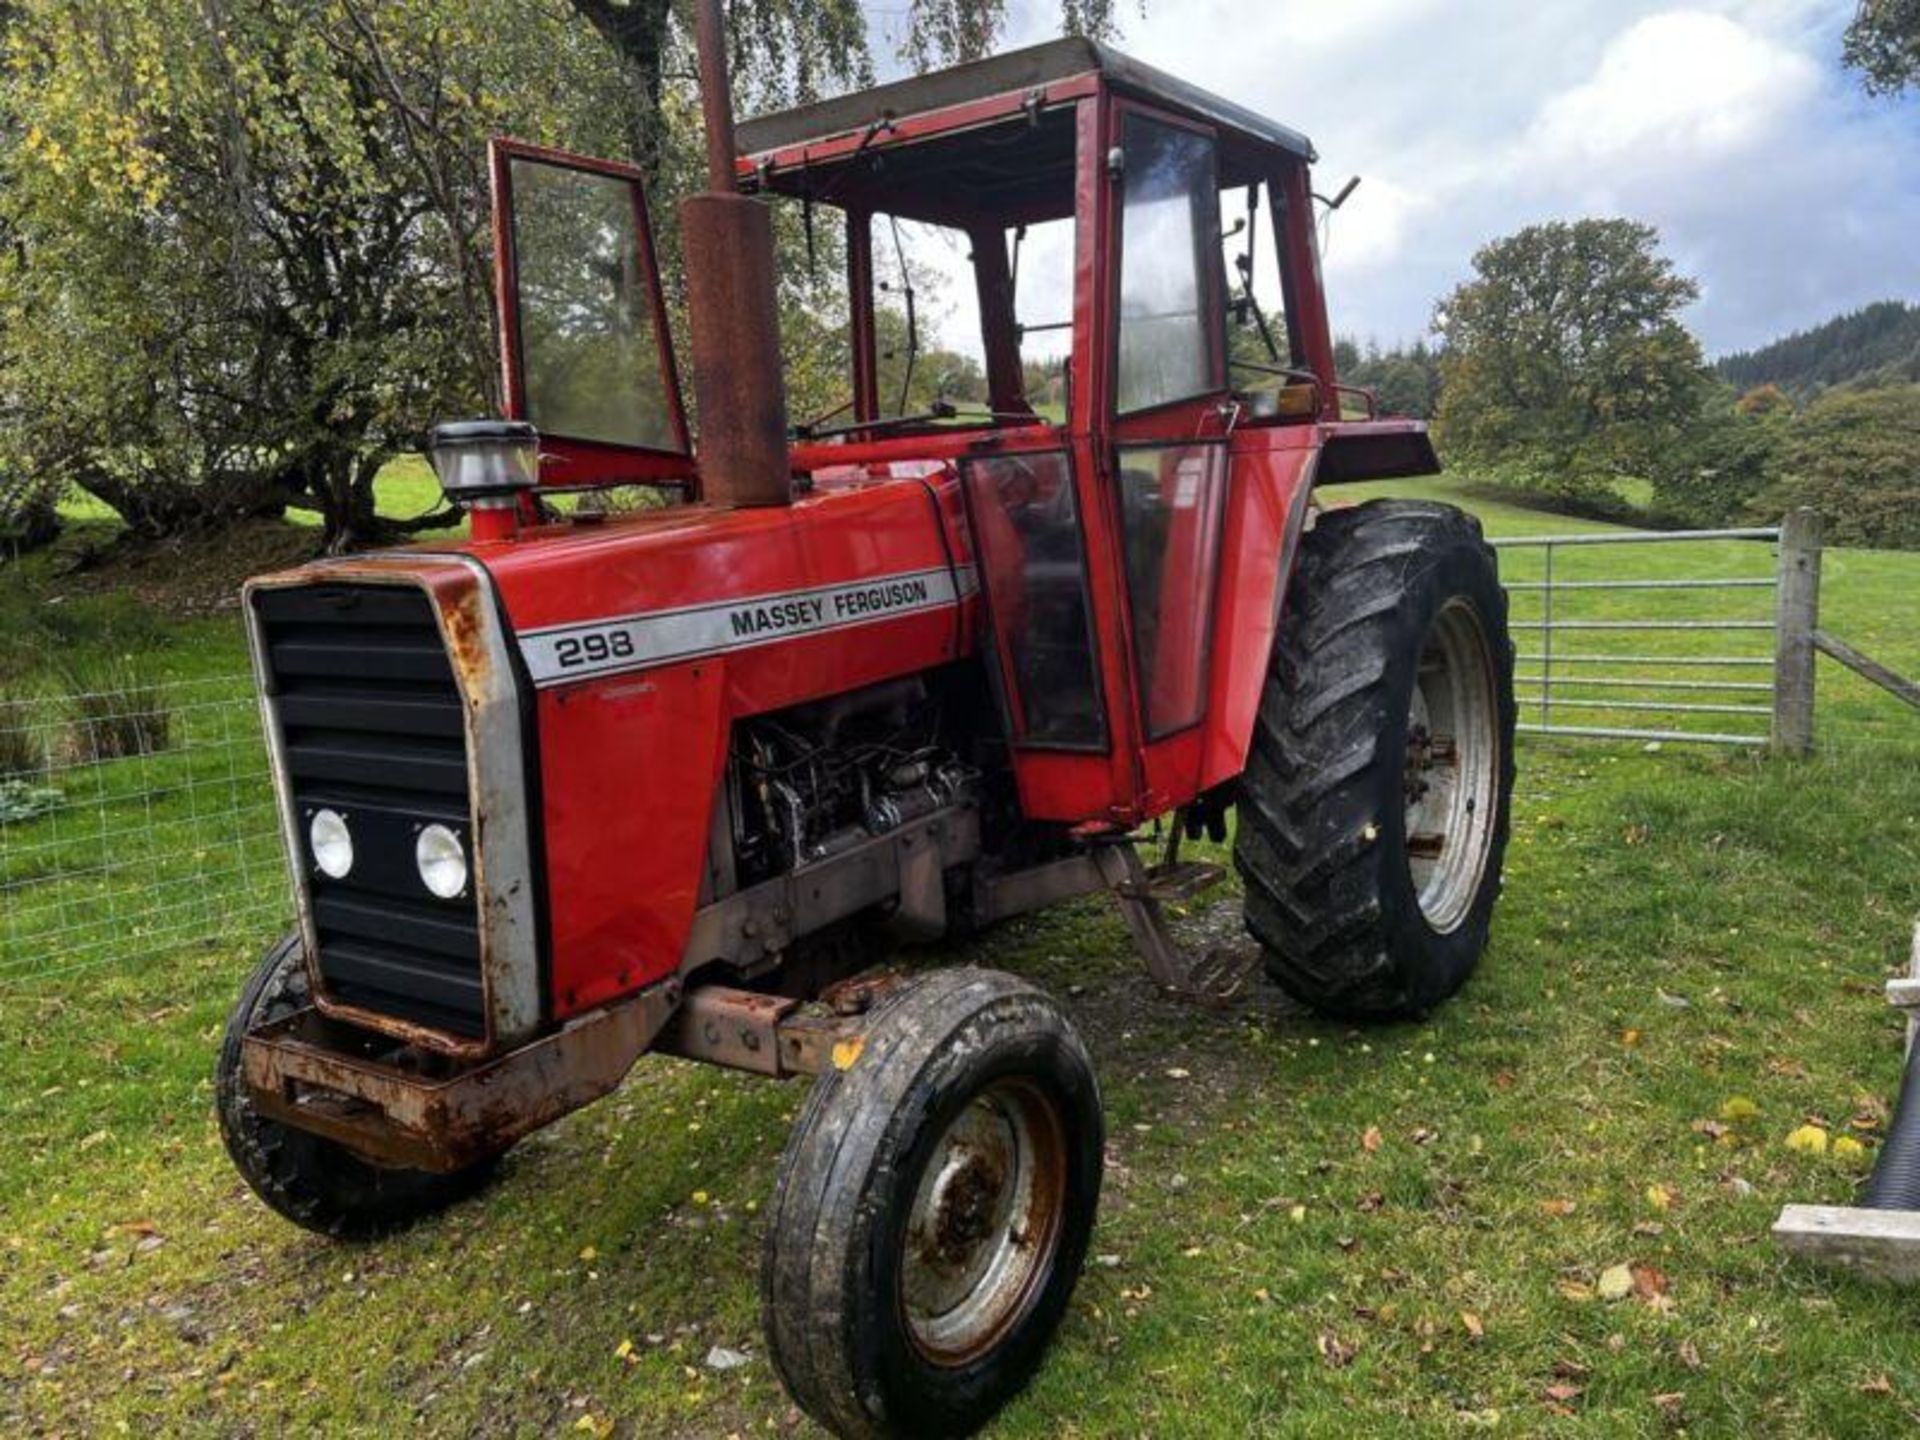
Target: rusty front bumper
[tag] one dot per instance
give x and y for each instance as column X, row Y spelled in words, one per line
column 398, row 1106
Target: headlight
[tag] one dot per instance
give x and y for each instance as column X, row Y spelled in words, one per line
column 485, row 459
column 442, row 861
column 332, row 843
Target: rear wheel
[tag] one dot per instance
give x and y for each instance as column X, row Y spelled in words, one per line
column 1373, row 812
column 933, row 1210
column 314, row 1182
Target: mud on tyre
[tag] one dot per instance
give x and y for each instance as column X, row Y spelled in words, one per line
column 1372, row 818
column 313, row 1182
column 933, row 1210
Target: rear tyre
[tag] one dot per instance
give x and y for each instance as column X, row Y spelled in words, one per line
column 1373, row 812
column 933, row 1210
column 314, row 1182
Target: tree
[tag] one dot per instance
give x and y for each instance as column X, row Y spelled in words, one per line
column 791, row 51
column 251, row 243
column 1405, row 381
column 1564, row 362
column 1854, row 455
column 1725, row 459
column 1883, row 44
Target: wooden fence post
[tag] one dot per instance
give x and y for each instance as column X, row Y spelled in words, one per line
column 1797, row 616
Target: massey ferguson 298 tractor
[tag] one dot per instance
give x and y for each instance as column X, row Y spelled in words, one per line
column 588, row 786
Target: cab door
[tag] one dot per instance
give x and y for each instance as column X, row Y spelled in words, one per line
column 585, row 353
column 1165, row 468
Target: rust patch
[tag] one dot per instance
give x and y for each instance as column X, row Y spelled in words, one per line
column 398, row 1106
column 966, row 1213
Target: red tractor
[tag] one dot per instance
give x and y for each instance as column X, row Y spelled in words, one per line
column 587, row 786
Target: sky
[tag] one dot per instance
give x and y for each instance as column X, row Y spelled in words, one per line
column 1774, row 181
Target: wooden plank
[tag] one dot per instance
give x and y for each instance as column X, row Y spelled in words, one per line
column 1867, row 668
column 1796, row 616
column 1881, row 1244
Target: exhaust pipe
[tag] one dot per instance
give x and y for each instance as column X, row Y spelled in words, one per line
column 727, row 241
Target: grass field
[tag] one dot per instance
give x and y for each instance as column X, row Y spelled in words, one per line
column 1686, row 967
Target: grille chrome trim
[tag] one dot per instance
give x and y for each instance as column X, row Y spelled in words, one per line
column 460, row 595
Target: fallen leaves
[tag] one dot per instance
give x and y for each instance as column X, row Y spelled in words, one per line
column 1808, row 1140
column 1561, row 1395
column 1473, row 1325
column 1337, row 1353
column 1650, row 1285
column 1739, row 1110
column 1370, row 1141
column 1630, row 1279
column 1616, row 1282
column 1558, row 1208
column 845, row 1052
column 1659, row 1197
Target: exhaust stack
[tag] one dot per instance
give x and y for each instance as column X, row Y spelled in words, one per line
column 727, row 240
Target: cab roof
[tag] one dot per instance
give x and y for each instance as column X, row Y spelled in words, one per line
column 1032, row 68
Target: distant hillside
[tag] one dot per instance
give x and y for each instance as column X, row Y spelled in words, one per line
column 1881, row 342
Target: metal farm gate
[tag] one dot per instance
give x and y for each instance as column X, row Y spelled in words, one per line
column 1579, row 660
column 1728, row 659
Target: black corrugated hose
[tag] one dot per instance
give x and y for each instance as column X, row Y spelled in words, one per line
column 1896, row 1176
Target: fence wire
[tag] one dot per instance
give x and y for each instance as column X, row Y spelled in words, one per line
column 133, row 819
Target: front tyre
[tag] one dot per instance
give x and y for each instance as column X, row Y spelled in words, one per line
column 933, row 1210
column 313, row 1182
column 1373, row 812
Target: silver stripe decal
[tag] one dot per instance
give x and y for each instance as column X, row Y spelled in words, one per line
column 563, row 653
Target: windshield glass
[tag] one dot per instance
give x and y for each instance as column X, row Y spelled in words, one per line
column 590, row 356
column 968, row 244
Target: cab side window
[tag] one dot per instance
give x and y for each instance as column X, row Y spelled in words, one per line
column 1169, row 345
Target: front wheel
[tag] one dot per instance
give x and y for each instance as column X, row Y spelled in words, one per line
column 1373, row 811
column 313, row 1182
column 933, row 1210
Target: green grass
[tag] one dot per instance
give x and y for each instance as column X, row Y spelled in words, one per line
column 1679, row 928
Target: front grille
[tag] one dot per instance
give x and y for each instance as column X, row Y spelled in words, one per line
column 371, row 723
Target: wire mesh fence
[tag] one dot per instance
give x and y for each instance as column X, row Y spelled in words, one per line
column 131, row 819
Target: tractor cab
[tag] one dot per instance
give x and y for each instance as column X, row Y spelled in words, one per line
column 1086, row 289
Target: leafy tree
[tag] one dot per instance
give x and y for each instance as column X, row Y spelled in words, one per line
column 250, row 262
column 1406, row 381
column 1719, row 465
column 791, row 51
column 1854, row 455
column 1565, row 364
column 1768, row 399
column 1883, row 44
column 28, row 495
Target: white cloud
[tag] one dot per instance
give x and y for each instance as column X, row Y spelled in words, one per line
column 1684, row 85
column 1375, row 224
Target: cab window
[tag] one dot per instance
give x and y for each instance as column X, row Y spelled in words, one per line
column 1169, row 241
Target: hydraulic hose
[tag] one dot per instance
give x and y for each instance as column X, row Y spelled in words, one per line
column 1896, row 1175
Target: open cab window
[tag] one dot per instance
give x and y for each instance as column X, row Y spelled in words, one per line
column 586, row 354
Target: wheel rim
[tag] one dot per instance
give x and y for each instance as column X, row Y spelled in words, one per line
column 985, row 1222
column 1453, row 766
